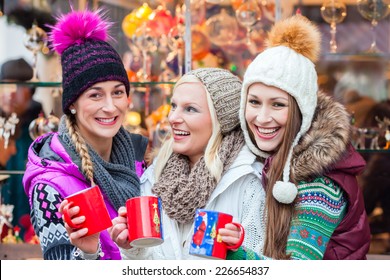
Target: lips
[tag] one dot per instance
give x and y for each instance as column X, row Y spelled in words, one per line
column 106, row 120
column 180, row 132
column 267, row 133
column 267, row 130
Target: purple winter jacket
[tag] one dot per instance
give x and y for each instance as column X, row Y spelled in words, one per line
column 351, row 239
column 64, row 176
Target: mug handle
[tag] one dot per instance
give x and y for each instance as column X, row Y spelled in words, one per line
column 67, row 218
column 242, row 236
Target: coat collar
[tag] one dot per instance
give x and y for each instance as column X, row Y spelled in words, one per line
column 326, row 141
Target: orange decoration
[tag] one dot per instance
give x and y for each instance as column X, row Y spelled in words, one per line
column 236, row 3
column 132, row 76
column 200, row 45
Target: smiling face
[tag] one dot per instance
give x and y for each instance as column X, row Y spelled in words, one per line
column 190, row 120
column 100, row 112
column 266, row 114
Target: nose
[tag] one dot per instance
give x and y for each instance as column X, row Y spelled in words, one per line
column 264, row 116
column 174, row 116
column 109, row 105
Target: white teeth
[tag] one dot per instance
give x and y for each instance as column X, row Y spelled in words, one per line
column 179, row 132
column 267, row 130
column 106, row 120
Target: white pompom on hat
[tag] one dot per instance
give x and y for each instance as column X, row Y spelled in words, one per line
column 288, row 64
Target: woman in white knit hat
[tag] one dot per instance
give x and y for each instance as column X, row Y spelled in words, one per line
column 205, row 164
column 314, row 207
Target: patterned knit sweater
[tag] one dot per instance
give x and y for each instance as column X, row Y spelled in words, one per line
column 320, row 207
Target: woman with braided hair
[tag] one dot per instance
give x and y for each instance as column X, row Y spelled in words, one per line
column 314, row 207
column 91, row 146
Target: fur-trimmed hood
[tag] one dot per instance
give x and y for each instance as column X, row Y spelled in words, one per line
column 325, row 143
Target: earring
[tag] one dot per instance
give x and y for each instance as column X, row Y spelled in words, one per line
column 73, row 111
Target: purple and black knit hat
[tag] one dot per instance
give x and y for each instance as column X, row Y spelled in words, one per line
column 86, row 58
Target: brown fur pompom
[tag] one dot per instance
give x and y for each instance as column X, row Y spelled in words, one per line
column 298, row 33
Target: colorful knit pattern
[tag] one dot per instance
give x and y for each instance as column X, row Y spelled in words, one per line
column 320, row 208
column 48, row 224
column 244, row 254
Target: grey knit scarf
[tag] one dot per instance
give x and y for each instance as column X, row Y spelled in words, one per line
column 117, row 179
column 183, row 190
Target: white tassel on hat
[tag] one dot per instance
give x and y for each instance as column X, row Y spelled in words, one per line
column 284, row 192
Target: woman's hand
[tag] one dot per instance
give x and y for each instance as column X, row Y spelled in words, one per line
column 119, row 232
column 231, row 234
column 87, row 244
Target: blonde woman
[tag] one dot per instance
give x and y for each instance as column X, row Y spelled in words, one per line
column 205, row 164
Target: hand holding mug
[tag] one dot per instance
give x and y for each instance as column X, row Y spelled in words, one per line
column 77, row 236
column 119, row 232
column 85, row 215
column 90, row 211
column 207, row 240
column 231, row 235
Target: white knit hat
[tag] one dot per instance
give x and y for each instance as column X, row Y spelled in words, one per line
column 288, row 64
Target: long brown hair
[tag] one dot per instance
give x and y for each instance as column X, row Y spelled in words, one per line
column 279, row 215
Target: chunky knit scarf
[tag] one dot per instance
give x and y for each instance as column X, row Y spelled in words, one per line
column 117, row 179
column 183, row 190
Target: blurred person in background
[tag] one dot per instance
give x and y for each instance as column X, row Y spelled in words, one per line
column 15, row 98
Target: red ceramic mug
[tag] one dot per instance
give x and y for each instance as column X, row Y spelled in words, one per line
column 144, row 221
column 206, row 241
column 92, row 206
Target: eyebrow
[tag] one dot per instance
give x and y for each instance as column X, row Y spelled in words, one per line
column 274, row 98
column 99, row 88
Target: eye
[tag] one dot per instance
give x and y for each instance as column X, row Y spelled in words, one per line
column 119, row 92
column 253, row 101
column 279, row 105
column 173, row 106
column 191, row 109
column 95, row 95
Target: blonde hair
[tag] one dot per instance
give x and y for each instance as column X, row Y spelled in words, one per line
column 81, row 148
column 211, row 158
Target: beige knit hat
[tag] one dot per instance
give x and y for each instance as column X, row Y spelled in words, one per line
column 224, row 89
column 287, row 64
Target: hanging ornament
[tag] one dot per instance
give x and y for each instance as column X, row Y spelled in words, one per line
column 222, row 28
column 42, row 125
column 247, row 15
column 200, row 45
column 134, row 20
column 35, row 39
column 160, row 21
column 130, row 24
column 198, row 12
